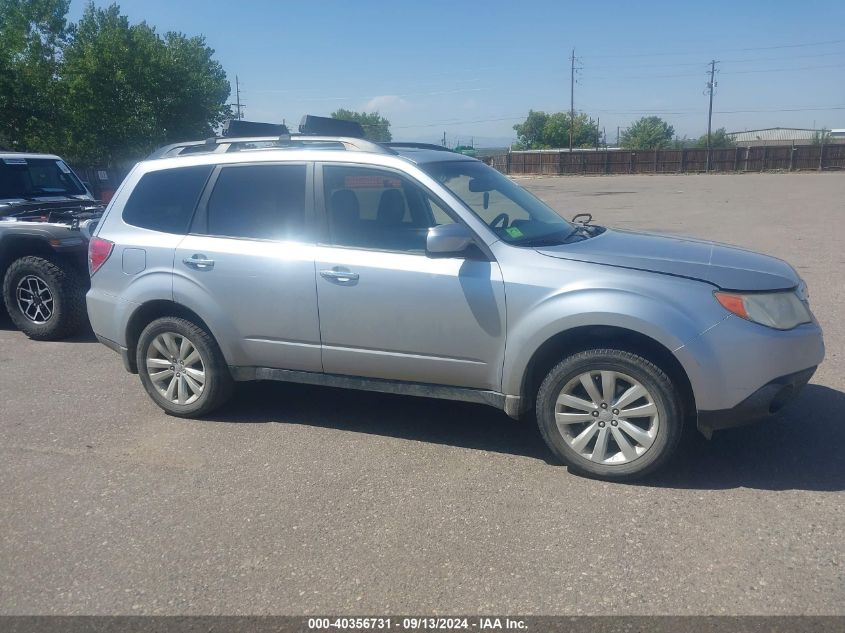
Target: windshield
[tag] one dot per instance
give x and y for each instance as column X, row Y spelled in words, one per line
column 29, row 178
column 514, row 214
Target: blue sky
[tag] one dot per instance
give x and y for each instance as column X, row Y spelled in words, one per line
column 473, row 69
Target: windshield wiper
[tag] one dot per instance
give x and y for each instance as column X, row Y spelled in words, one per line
column 577, row 234
column 546, row 240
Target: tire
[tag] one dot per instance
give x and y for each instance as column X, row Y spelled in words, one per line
column 30, row 276
column 657, row 415
column 176, row 391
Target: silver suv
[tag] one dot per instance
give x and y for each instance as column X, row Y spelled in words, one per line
column 409, row 269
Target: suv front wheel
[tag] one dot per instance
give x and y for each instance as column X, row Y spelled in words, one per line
column 182, row 368
column 610, row 414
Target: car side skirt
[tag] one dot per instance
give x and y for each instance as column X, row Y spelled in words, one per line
column 509, row 404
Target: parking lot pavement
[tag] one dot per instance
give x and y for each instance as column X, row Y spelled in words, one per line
column 305, row 500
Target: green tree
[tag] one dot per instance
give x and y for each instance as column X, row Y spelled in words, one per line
column 128, row 90
column 530, row 133
column 556, row 130
column 542, row 131
column 376, row 127
column 821, row 137
column 32, row 33
column 718, row 139
column 649, row 132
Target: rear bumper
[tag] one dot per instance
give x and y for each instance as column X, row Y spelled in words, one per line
column 768, row 399
column 124, row 353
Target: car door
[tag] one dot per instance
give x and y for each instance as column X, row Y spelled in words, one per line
column 386, row 309
column 247, row 266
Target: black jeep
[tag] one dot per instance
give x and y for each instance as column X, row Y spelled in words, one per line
column 46, row 214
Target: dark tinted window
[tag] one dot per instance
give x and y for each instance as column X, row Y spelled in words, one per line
column 258, row 201
column 165, row 200
column 37, row 177
column 371, row 208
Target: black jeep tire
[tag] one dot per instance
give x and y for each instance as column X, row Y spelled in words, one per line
column 62, row 284
column 662, row 399
column 217, row 383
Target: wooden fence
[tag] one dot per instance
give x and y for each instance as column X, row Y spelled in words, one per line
column 671, row 161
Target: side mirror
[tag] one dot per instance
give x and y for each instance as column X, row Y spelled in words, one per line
column 86, row 228
column 448, row 240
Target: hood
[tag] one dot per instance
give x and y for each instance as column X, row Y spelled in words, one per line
column 724, row 266
column 19, row 208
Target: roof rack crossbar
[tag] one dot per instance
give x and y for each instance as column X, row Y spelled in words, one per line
column 215, row 144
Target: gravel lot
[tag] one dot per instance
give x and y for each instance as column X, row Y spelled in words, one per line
column 300, row 500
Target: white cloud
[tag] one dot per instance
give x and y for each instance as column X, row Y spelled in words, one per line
column 386, row 103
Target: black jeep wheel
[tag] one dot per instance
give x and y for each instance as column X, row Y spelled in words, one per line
column 45, row 300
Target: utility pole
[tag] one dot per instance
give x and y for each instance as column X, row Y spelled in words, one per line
column 571, row 97
column 711, row 88
column 598, row 121
column 238, row 93
column 444, row 139
column 238, row 105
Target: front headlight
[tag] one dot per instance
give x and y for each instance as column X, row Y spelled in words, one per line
column 781, row 310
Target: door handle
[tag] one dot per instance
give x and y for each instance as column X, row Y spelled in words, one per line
column 200, row 262
column 339, row 275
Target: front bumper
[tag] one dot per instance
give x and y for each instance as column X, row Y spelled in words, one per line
column 768, row 399
column 733, row 359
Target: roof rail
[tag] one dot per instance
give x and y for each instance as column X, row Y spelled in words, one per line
column 222, row 145
column 400, row 144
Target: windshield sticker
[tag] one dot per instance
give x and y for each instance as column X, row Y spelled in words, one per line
column 15, row 161
column 65, row 169
column 514, row 232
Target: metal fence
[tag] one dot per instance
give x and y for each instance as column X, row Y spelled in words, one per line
column 671, row 161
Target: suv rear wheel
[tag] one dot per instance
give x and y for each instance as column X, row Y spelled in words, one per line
column 610, row 414
column 45, row 300
column 182, row 368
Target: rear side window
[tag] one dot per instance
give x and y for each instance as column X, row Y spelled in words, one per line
column 264, row 202
column 165, row 200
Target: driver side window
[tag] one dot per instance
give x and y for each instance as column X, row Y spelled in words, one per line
column 378, row 209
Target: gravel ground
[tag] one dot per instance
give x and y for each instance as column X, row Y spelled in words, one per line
column 303, row 500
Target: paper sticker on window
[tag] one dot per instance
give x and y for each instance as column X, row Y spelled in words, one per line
column 65, row 169
column 371, row 182
column 513, row 231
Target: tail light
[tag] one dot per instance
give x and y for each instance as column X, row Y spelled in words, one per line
column 98, row 252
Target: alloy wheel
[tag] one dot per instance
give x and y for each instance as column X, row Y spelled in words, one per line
column 607, row 417
column 34, row 298
column 176, row 368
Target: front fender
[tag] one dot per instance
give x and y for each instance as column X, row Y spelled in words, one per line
column 672, row 325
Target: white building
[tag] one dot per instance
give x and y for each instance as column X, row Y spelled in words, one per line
column 784, row 136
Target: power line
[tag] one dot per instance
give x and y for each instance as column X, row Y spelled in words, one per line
column 521, row 116
column 726, row 50
column 777, row 70
column 730, row 72
column 728, row 61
